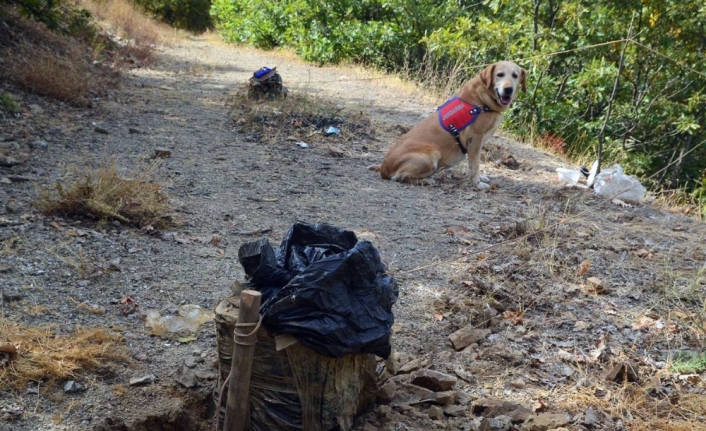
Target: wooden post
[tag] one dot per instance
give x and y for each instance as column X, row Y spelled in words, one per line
column 237, row 406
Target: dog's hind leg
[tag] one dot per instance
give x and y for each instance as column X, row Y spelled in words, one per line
column 415, row 167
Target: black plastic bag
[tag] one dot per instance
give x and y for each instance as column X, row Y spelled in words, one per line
column 325, row 288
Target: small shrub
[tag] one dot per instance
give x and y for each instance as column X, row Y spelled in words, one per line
column 191, row 15
column 102, row 194
column 8, row 105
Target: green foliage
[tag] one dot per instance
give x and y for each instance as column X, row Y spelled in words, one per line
column 59, row 17
column 7, row 104
column 571, row 50
column 185, row 14
column 689, row 363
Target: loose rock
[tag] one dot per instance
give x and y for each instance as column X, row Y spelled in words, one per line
column 467, row 335
column 144, row 380
column 545, row 421
column 433, row 380
column 185, row 377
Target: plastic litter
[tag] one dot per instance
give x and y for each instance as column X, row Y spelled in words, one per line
column 568, row 176
column 302, row 144
column 592, row 174
column 613, row 183
column 325, row 288
column 189, row 318
column 332, row 131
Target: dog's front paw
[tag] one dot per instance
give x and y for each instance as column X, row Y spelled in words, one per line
column 481, row 186
column 484, row 179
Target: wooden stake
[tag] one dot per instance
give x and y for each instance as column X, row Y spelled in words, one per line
column 237, row 406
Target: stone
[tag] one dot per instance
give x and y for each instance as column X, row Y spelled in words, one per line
column 101, row 130
column 456, row 411
column 134, row 131
column 545, row 422
column 12, row 206
column 411, row 366
column 205, row 375
column 35, row 109
column 144, row 380
column 72, row 386
column 492, row 407
column 498, row 423
column 433, row 380
column 445, row 398
column 467, row 336
column 4, row 268
column 620, row 372
column 411, row 394
column 162, row 152
column 39, row 145
column 185, row 377
column 386, row 392
column 190, row 362
column 11, row 294
column 435, row 413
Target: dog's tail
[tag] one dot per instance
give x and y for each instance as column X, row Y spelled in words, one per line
column 375, row 168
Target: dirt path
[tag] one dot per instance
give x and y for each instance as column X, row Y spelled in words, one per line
column 435, row 240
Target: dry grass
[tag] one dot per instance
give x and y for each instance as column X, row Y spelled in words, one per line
column 48, row 64
column 298, row 117
column 43, row 356
column 68, row 77
column 129, row 22
column 103, row 194
column 646, row 407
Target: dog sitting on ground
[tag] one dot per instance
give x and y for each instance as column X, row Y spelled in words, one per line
column 459, row 128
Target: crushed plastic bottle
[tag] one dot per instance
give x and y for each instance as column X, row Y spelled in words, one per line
column 613, row 183
column 189, row 318
column 568, row 176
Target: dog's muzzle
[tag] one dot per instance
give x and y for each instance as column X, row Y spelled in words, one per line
column 505, row 96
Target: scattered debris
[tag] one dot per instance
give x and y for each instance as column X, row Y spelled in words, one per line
column 189, row 318
column 568, row 176
column 613, row 183
column 302, row 144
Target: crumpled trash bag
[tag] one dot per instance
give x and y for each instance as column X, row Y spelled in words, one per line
column 613, row 183
column 324, row 287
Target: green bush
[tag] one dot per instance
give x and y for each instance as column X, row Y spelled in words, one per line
column 656, row 125
column 185, row 14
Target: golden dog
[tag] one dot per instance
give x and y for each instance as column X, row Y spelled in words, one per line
column 459, row 128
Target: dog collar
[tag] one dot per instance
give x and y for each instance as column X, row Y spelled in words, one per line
column 456, row 114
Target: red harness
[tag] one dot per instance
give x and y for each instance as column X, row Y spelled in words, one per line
column 455, row 115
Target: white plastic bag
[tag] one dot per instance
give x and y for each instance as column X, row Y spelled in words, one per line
column 613, row 183
column 568, row 176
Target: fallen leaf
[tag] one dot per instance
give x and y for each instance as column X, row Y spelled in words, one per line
column 438, row 317
column 583, row 268
column 516, row 317
column 642, row 253
column 188, row 339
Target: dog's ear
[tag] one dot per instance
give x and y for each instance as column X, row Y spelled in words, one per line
column 486, row 76
column 523, row 79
